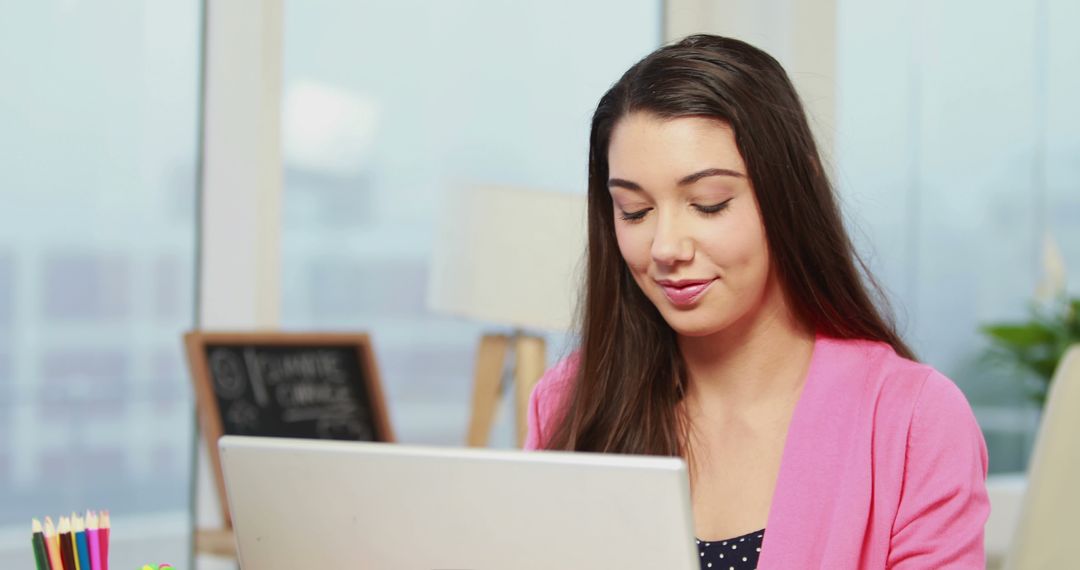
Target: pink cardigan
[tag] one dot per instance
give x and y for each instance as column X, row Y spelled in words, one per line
column 884, row 465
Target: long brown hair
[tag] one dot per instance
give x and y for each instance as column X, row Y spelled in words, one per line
column 630, row 374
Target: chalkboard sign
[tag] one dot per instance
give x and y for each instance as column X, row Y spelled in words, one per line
column 304, row 385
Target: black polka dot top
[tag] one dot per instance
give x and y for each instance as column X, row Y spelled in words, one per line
column 739, row 553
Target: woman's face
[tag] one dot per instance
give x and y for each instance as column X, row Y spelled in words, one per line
column 688, row 223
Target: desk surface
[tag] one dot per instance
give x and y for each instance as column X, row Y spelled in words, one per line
column 217, row 542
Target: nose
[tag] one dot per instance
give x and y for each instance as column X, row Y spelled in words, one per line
column 671, row 243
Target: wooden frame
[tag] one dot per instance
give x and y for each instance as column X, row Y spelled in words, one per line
column 210, row 420
column 529, row 363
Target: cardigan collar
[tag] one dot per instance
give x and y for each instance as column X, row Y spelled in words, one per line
column 819, row 440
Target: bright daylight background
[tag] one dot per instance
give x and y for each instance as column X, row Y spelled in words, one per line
column 957, row 151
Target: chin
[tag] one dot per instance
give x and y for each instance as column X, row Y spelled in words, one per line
column 694, row 325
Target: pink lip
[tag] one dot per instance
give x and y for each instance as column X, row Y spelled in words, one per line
column 685, row 292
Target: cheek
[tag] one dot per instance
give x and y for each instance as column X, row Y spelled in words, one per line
column 751, row 251
column 634, row 245
column 742, row 250
column 754, row 254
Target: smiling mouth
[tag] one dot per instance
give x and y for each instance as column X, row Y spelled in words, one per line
column 685, row 293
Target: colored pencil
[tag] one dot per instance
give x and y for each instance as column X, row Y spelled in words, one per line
column 103, row 540
column 37, row 539
column 75, row 543
column 67, row 550
column 52, row 545
column 92, row 539
column 82, row 550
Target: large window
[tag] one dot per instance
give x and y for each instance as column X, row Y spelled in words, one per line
column 388, row 105
column 958, row 151
column 97, row 249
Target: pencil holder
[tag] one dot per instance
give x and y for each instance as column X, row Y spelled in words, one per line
column 77, row 543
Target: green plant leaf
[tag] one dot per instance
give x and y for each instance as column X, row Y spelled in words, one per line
column 1045, row 366
column 1034, row 348
column 1019, row 336
column 1072, row 319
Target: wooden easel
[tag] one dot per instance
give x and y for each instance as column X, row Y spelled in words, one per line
column 221, row 541
column 529, row 364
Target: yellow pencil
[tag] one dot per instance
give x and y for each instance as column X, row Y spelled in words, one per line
column 52, row 545
column 75, row 543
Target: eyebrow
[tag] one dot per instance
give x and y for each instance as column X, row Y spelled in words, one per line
column 685, row 181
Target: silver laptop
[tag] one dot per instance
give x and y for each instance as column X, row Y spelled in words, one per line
column 300, row 504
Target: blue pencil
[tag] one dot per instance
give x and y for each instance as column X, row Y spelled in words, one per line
column 80, row 541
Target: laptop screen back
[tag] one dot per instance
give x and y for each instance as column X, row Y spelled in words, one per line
column 326, row 504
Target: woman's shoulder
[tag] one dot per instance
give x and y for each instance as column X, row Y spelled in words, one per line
column 877, row 365
column 902, row 390
column 548, row 398
column 559, row 378
column 554, row 386
column 927, row 451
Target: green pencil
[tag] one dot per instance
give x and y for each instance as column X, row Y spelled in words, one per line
column 38, row 540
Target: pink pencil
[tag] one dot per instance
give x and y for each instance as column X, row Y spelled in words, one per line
column 103, row 540
column 92, row 539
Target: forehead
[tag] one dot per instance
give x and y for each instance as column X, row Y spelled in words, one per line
column 644, row 145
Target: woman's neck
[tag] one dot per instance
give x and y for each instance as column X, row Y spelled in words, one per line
column 761, row 361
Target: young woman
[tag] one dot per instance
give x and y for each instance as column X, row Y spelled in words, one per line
column 725, row 321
